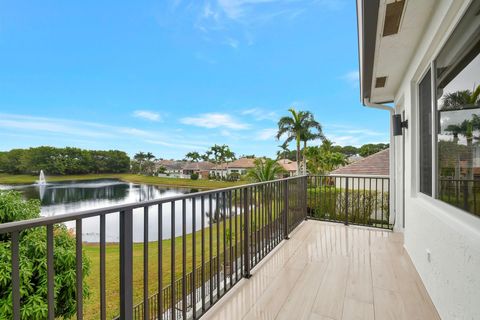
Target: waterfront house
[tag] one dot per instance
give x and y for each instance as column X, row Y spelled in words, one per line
column 238, row 167
column 202, row 168
column 289, row 166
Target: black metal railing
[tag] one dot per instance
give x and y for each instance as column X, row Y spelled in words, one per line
column 461, row 193
column 216, row 238
column 350, row 199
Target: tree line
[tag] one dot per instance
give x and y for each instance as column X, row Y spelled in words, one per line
column 60, row 161
column 347, row 151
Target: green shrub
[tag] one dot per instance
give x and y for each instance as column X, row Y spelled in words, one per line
column 367, row 207
column 33, row 263
column 194, row 176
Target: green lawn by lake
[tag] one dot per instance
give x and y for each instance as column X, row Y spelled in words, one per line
column 135, row 178
column 92, row 251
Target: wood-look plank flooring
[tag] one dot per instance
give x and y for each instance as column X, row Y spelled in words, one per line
column 329, row 271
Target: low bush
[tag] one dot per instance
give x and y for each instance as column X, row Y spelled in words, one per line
column 368, row 207
column 194, row 176
column 33, row 263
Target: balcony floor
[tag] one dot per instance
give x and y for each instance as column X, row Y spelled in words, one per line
column 330, row 271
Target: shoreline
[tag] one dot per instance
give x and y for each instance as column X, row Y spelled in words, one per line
column 13, row 179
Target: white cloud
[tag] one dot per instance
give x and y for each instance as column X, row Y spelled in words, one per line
column 208, row 12
column 260, row 114
column 147, row 115
column 177, row 145
column 214, row 120
column 224, row 16
column 52, row 126
column 234, row 43
column 350, row 135
column 266, row 134
column 352, row 78
column 73, row 130
column 225, row 133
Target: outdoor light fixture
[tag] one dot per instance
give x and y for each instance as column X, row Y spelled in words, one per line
column 398, row 124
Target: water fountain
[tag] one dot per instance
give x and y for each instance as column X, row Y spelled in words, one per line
column 41, row 179
column 41, row 183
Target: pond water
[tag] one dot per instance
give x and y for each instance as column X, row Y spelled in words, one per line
column 75, row 196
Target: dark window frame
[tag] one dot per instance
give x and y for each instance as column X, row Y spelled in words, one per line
column 431, row 70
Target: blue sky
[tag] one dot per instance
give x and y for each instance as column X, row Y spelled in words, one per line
column 172, row 76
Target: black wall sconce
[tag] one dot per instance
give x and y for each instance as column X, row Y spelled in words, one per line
column 398, row 124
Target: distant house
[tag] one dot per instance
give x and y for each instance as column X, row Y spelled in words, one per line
column 289, row 166
column 170, row 168
column 239, row 166
column 372, row 167
column 354, row 158
column 202, row 168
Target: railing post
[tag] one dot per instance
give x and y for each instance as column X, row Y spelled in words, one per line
column 305, row 196
column 285, row 211
column 126, row 264
column 346, row 201
column 246, row 221
column 465, row 195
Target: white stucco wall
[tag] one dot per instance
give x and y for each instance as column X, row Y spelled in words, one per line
column 452, row 275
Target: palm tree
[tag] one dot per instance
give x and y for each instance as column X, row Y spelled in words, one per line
column 299, row 124
column 193, row 156
column 149, row 156
column 463, row 99
column 265, row 170
column 140, row 157
column 310, row 136
column 283, row 152
column 460, row 100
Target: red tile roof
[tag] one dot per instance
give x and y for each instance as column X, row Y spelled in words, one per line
column 375, row 165
column 288, row 164
column 242, row 163
column 198, row 166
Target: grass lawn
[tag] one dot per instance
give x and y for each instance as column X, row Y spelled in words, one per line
column 92, row 251
column 135, row 178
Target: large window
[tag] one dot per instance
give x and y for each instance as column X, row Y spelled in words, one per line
column 458, row 116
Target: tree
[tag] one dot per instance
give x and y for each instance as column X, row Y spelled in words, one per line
column 143, row 163
column 308, row 135
column 60, row 161
column 324, row 159
column 140, row 158
column 33, row 271
column 219, row 154
column 283, row 152
column 349, row 151
column 370, row 148
column 298, row 126
column 463, row 99
column 265, row 170
column 193, row 156
column 460, row 100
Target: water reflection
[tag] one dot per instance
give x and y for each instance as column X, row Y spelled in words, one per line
column 74, row 196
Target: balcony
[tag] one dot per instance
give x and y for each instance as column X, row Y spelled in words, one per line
column 331, row 271
column 254, row 251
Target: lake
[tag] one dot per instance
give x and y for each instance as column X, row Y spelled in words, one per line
column 74, row 196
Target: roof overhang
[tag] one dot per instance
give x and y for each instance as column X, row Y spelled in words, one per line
column 388, row 34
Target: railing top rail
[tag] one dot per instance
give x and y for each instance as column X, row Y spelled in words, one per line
column 44, row 221
column 351, row 176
